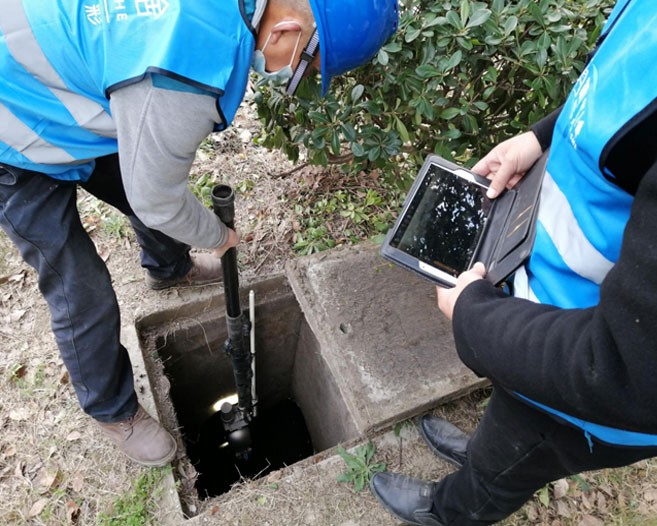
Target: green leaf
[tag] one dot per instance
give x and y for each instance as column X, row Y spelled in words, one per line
column 360, row 483
column 510, row 25
column 452, row 133
column 464, row 10
column 393, row 47
column 544, row 496
column 374, row 153
column 335, row 144
column 427, row 71
column 358, row 150
column 411, row 35
column 383, row 57
column 359, row 474
column 357, row 93
column 465, row 43
column 344, row 477
column 454, row 20
column 450, row 113
column 401, row 128
column 454, row 60
column 478, row 18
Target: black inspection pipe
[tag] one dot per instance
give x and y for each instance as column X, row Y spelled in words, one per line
column 223, row 204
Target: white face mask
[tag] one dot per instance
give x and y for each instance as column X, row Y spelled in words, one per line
column 258, row 62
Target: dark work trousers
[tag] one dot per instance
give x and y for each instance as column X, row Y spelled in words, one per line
column 515, row 451
column 39, row 214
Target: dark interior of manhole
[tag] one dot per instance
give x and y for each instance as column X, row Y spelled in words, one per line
column 299, row 411
column 280, row 438
column 201, row 377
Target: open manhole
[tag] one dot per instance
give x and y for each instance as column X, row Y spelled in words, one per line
column 299, row 413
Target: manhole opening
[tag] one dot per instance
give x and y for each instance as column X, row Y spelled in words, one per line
column 300, row 410
column 280, row 438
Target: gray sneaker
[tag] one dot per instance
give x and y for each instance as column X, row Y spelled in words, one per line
column 142, row 439
column 205, row 269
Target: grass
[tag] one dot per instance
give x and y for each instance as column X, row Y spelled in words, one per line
column 337, row 211
column 136, row 506
column 361, row 466
column 99, row 218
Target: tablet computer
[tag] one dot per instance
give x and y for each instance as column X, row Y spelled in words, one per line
column 447, row 223
column 442, row 222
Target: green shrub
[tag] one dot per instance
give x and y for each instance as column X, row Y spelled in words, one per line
column 458, row 77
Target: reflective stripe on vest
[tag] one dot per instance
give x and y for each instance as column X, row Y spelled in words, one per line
column 582, row 215
column 59, row 62
column 23, row 139
column 25, row 49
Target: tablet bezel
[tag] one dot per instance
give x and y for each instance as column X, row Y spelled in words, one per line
column 431, row 272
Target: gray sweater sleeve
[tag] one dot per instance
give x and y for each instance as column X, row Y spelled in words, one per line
column 158, row 132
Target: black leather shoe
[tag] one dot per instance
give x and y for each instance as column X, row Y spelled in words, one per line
column 406, row 498
column 445, row 440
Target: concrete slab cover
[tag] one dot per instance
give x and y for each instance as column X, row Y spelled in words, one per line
column 380, row 332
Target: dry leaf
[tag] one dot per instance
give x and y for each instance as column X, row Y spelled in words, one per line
column 19, row 470
column 601, row 501
column 77, row 482
column 17, row 315
column 650, row 495
column 590, row 520
column 22, row 413
column 643, row 508
column 37, row 508
column 46, row 479
column 586, row 501
column 73, row 436
column 72, row 512
column 560, row 488
column 563, row 509
column 607, row 489
column 63, row 378
column 17, row 277
column 275, row 476
column 532, row 513
column 19, row 372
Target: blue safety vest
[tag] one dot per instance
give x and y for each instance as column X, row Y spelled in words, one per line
column 60, row 61
column 582, row 213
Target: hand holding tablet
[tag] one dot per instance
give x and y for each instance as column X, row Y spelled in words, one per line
column 447, row 224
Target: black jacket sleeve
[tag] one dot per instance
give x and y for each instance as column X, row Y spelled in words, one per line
column 544, row 128
column 598, row 364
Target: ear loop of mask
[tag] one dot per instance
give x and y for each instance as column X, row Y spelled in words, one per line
column 296, row 46
column 307, row 56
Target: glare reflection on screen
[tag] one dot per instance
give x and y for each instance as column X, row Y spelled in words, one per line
column 445, row 221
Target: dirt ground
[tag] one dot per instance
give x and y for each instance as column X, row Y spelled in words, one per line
column 55, row 468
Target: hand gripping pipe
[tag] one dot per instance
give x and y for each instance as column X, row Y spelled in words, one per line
column 235, row 420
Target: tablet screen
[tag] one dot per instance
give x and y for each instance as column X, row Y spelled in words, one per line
column 444, row 221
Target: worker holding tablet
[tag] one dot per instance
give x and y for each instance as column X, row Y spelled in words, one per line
column 571, row 355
